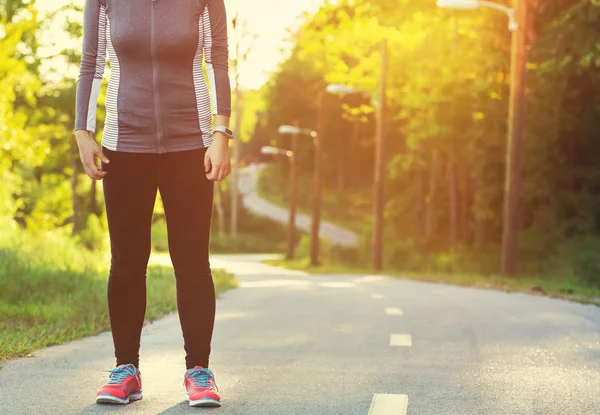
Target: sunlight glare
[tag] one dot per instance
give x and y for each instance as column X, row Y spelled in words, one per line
column 269, row 20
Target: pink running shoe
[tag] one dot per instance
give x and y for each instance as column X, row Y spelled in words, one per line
column 201, row 387
column 124, row 386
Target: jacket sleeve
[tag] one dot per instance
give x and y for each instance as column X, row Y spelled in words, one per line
column 216, row 56
column 93, row 62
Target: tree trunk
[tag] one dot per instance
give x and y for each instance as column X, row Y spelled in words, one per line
column 340, row 176
column 430, row 197
column 352, row 152
column 235, row 176
column 463, row 228
column 479, row 237
column 94, row 208
column 219, row 208
column 75, row 218
column 452, row 196
column 420, row 205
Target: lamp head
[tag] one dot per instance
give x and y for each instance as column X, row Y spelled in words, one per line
column 289, row 129
column 269, row 150
column 340, row 89
column 458, row 4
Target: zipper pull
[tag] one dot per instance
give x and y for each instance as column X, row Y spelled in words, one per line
column 153, row 1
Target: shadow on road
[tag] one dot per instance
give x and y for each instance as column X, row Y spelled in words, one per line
column 183, row 408
column 103, row 409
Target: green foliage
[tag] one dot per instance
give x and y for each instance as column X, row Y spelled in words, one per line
column 578, row 257
column 42, row 186
column 95, row 235
column 18, row 83
column 447, row 96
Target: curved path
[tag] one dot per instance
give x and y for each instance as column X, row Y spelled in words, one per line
column 253, row 202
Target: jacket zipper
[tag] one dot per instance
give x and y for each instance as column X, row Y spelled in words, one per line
column 155, row 79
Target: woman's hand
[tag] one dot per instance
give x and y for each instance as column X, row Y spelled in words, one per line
column 88, row 152
column 217, row 164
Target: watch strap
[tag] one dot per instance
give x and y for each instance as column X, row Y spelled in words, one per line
column 224, row 130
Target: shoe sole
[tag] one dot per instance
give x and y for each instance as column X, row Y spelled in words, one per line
column 205, row 403
column 109, row 399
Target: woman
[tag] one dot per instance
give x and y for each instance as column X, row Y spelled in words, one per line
column 157, row 136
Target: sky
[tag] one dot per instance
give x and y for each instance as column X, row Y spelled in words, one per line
column 268, row 20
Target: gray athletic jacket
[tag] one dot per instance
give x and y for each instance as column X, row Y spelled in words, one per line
column 157, row 99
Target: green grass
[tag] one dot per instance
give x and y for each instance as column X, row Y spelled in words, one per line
column 556, row 287
column 255, row 235
column 53, row 291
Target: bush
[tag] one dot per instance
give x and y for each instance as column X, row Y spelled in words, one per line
column 579, row 257
column 95, row 235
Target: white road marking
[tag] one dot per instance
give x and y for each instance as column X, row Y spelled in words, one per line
column 337, row 284
column 400, row 340
column 369, row 278
column 231, row 316
column 383, row 404
column 393, row 311
column 376, row 296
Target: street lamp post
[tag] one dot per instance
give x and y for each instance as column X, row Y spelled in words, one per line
column 293, row 194
column 295, row 130
column 291, row 155
column 517, row 19
column 316, row 213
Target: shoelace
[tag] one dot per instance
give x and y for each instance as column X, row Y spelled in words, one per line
column 119, row 374
column 201, row 377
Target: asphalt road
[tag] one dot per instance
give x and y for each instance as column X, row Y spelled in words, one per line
column 288, row 343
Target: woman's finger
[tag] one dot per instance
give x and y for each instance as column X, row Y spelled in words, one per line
column 207, row 164
column 226, row 171
column 98, row 174
column 87, row 171
column 102, row 157
column 90, row 173
column 210, row 175
column 222, row 172
column 219, row 174
column 92, row 169
column 217, row 170
column 91, row 165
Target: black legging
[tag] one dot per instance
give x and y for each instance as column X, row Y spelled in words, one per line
column 130, row 187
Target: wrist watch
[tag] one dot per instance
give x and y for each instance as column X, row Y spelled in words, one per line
column 224, row 130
